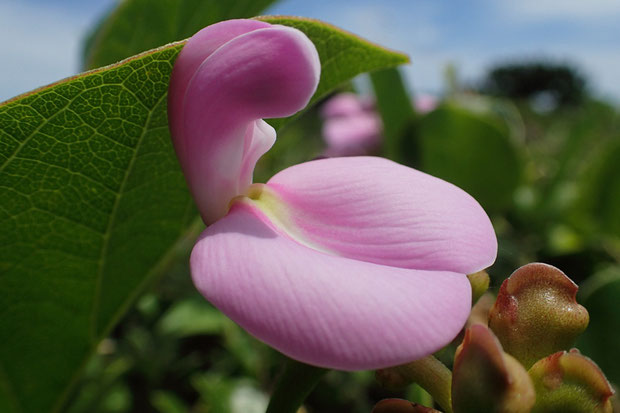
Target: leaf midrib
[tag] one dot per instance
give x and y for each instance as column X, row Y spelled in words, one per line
column 106, row 235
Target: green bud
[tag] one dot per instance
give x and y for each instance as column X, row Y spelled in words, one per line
column 479, row 284
column 401, row 406
column 568, row 382
column 485, row 379
column 536, row 313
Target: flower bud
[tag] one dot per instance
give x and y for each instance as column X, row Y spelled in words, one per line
column 485, row 379
column 536, row 313
column 615, row 401
column 479, row 284
column 570, row 382
column 401, row 406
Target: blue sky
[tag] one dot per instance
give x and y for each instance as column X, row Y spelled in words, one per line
column 40, row 39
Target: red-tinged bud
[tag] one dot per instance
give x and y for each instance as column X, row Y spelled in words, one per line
column 485, row 379
column 536, row 313
column 401, row 406
column 570, row 382
column 615, row 401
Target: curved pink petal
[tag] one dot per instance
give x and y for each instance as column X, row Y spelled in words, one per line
column 233, row 74
column 322, row 309
column 375, row 210
column 196, row 50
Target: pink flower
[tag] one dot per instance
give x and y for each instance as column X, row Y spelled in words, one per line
column 425, row 103
column 351, row 126
column 348, row 263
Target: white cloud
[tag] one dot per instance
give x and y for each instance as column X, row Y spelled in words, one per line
column 383, row 24
column 581, row 10
column 430, row 51
column 39, row 45
column 414, row 34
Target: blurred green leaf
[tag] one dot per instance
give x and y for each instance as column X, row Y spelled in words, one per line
column 600, row 191
column 191, row 317
column 471, row 151
column 93, row 205
column 117, row 400
column 294, row 385
column 139, row 25
column 600, row 295
column 101, row 382
column 215, row 391
column 570, row 150
column 166, row 402
column 395, row 108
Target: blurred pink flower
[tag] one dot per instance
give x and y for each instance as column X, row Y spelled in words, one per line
column 351, row 126
column 348, row 263
column 425, row 103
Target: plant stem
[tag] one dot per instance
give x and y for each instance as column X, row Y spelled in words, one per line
column 434, row 377
column 429, row 373
column 295, row 384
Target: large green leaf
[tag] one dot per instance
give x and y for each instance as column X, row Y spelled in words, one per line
column 139, row 25
column 473, row 152
column 92, row 200
column 93, row 203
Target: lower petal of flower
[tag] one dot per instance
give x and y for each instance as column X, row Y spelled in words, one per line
column 323, row 309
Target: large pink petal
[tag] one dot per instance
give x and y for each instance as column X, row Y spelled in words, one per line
column 216, row 104
column 375, row 210
column 322, row 309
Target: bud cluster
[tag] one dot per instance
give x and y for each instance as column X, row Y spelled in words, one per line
column 516, row 356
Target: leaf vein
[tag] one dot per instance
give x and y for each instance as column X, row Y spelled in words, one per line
column 106, row 235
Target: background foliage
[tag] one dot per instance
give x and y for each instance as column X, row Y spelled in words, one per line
column 98, row 313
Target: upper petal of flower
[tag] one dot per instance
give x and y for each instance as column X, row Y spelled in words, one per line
column 228, row 77
column 196, row 50
column 375, row 210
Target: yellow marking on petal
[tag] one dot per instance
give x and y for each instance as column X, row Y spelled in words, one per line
column 277, row 211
